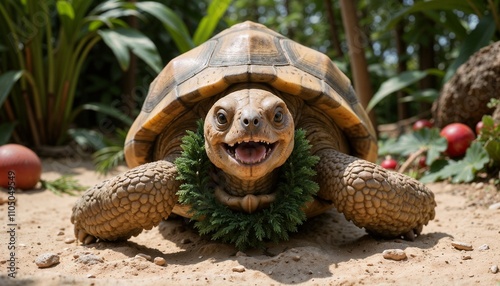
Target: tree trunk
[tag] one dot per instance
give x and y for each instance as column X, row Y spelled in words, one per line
column 426, row 61
column 402, row 67
column 357, row 56
column 334, row 35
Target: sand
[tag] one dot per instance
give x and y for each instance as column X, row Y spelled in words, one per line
column 327, row 250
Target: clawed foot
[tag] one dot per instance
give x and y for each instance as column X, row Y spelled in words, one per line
column 84, row 237
column 410, row 235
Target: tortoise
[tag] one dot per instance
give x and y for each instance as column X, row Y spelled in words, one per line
column 253, row 89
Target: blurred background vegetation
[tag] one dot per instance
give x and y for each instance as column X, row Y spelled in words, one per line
column 78, row 71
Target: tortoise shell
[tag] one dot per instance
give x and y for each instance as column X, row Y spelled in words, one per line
column 249, row 52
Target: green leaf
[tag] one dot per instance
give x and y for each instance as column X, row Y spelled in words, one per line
column 462, row 171
column 107, row 5
column 108, row 110
column 171, row 21
column 65, row 9
column 433, row 5
column 427, row 95
column 87, row 138
column 385, row 147
column 6, row 130
column 64, row 184
column 493, row 149
column 425, row 138
column 394, row 84
column 7, row 81
column 480, row 37
column 67, row 16
column 108, row 158
column 208, row 24
column 123, row 40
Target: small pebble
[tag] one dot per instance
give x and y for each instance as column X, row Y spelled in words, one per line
column 494, row 269
column 394, row 254
column 90, row 276
column 462, row 245
column 69, row 240
column 47, row 260
column 60, row 233
column 495, row 206
column 88, row 259
column 483, row 247
column 160, row 261
column 466, row 257
column 296, row 258
column 145, row 256
column 239, row 269
column 186, row 241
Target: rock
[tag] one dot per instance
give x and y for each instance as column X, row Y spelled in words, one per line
column 69, row 240
column 145, row 256
column 296, row 258
column 466, row 257
column 239, row 269
column 90, row 276
column 160, row 261
column 89, row 259
column 394, row 254
column 494, row 269
column 47, row 260
column 483, row 247
column 495, row 206
column 462, row 245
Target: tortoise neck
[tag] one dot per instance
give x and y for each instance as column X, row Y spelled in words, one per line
column 240, row 187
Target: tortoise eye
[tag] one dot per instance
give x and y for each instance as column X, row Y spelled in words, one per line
column 221, row 117
column 278, row 116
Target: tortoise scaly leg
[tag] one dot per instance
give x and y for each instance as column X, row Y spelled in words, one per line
column 123, row 206
column 385, row 203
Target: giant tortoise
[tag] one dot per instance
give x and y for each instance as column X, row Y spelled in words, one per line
column 254, row 90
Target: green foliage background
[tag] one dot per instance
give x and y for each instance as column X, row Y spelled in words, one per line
column 125, row 43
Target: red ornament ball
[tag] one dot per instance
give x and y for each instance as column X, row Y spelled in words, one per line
column 389, row 163
column 459, row 137
column 422, row 123
column 25, row 164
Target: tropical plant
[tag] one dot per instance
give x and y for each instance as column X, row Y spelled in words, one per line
column 47, row 45
column 110, row 149
column 454, row 17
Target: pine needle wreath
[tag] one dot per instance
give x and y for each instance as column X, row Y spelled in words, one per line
column 244, row 230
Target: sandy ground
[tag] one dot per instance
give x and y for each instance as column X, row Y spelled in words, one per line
column 327, row 250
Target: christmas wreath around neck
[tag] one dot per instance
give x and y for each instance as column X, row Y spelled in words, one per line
column 295, row 187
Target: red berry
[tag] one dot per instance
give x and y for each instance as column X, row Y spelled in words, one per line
column 389, row 163
column 422, row 162
column 422, row 123
column 459, row 137
column 25, row 165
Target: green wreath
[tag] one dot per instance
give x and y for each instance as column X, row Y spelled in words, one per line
column 244, row 230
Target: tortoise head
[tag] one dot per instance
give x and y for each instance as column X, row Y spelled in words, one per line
column 249, row 132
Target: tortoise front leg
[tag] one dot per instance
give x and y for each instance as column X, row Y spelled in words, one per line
column 123, row 206
column 385, row 203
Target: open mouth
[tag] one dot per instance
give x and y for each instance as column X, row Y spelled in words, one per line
column 250, row 152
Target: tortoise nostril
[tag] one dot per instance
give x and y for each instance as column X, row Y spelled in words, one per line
column 250, row 121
